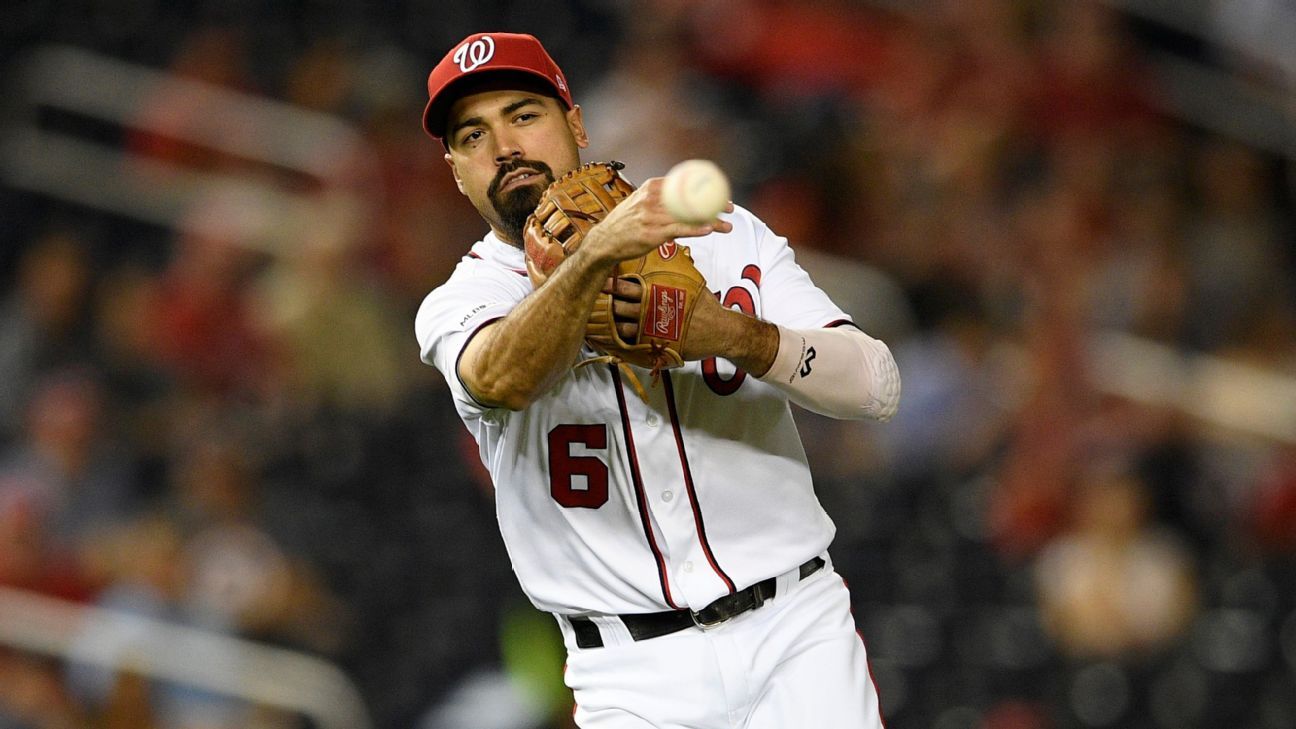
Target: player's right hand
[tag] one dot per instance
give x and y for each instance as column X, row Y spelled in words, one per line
column 640, row 224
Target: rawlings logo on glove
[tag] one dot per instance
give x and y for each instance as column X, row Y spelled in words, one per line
column 572, row 205
column 666, row 302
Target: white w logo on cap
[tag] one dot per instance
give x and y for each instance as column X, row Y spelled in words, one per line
column 472, row 55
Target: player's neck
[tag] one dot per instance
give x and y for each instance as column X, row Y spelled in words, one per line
column 504, row 237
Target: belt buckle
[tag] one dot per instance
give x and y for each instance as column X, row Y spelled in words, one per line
column 707, row 624
column 737, row 604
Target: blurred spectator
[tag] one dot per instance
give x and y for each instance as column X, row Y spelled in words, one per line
column 42, row 320
column 322, row 77
column 960, row 388
column 239, row 579
column 1235, row 256
column 74, row 479
column 150, row 579
column 28, row 558
column 315, row 298
column 995, row 69
column 1090, row 81
column 790, row 50
column 1273, row 512
column 139, row 560
column 1112, row 586
column 33, row 697
column 206, row 334
column 420, row 220
column 1140, row 284
column 1048, row 435
column 129, row 356
column 652, row 110
column 178, row 115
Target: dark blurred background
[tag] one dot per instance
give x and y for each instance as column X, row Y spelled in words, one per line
column 1071, row 220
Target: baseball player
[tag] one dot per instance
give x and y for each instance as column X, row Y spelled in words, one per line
column 676, row 538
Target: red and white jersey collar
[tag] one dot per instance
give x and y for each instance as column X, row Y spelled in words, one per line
column 494, row 250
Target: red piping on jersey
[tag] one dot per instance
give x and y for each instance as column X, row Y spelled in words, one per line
column 841, row 323
column 688, row 484
column 639, row 489
column 473, row 254
column 459, row 356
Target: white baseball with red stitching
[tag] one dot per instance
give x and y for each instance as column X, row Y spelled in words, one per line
column 695, row 191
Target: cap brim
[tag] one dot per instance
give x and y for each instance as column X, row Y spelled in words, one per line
column 434, row 114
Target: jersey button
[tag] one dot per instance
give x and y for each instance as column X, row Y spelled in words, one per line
column 688, row 566
column 652, row 421
column 667, row 495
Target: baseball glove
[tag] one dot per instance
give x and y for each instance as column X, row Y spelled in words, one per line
column 572, row 205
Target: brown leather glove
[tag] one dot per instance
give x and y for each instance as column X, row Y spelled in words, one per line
column 572, row 205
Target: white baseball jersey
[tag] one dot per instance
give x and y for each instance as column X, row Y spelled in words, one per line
column 608, row 504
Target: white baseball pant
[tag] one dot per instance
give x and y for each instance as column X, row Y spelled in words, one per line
column 797, row 661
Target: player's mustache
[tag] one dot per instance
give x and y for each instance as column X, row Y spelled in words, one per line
column 509, row 167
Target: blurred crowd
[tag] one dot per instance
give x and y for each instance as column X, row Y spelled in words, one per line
column 225, row 423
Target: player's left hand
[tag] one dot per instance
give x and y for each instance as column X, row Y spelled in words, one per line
column 627, row 300
column 704, row 330
column 711, row 328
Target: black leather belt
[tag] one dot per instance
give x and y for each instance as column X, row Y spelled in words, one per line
column 643, row 626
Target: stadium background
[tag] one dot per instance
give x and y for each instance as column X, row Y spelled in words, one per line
column 1072, row 220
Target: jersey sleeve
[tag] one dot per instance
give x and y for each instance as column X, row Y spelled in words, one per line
column 788, row 296
column 454, row 312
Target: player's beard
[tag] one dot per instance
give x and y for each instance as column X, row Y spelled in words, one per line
column 513, row 206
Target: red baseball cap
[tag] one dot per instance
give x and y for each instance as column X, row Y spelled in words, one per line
column 486, row 53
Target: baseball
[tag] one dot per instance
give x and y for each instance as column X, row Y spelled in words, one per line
column 695, row 191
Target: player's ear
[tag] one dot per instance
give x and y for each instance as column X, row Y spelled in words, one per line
column 576, row 123
column 455, row 171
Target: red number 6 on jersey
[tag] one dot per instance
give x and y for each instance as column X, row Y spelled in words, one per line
column 564, row 467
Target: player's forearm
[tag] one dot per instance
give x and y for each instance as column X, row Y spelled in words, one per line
column 841, row 373
column 746, row 341
column 524, row 354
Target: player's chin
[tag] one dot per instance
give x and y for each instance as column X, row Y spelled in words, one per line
column 515, row 204
column 519, row 197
